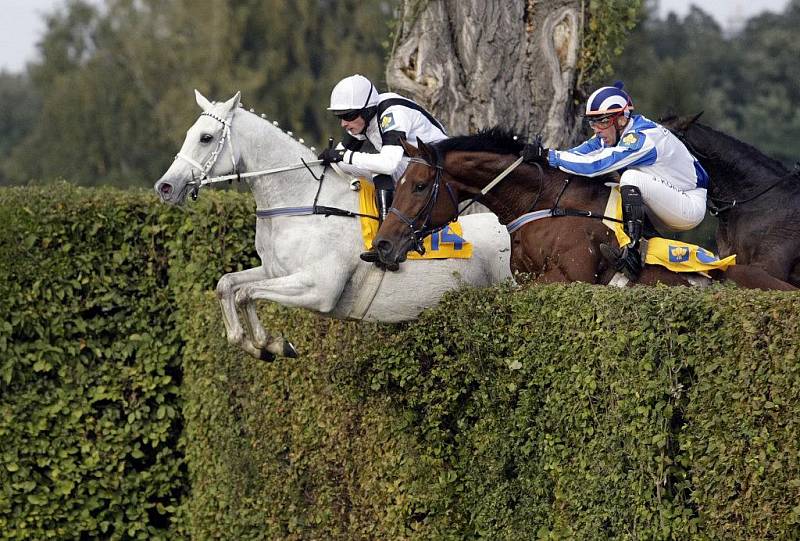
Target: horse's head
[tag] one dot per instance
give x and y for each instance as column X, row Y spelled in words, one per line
column 426, row 199
column 206, row 150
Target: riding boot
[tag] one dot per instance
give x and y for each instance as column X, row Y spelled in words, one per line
column 383, row 198
column 627, row 259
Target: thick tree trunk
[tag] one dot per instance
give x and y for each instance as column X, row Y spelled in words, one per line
column 481, row 63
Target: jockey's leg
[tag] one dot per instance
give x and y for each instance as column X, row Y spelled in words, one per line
column 384, row 194
column 668, row 206
column 628, row 259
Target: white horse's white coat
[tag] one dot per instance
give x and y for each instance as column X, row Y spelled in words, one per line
column 312, row 261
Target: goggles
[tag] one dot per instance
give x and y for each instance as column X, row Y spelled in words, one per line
column 602, row 122
column 348, row 116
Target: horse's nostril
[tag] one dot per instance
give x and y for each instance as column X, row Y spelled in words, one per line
column 166, row 188
column 383, row 246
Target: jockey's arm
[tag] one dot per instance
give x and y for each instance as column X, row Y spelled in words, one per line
column 384, row 162
column 604, row 160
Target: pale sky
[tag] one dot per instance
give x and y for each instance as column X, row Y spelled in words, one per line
column 22, row 25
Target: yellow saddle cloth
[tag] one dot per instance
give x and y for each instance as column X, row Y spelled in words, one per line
column 676, row 255
column 447, row 243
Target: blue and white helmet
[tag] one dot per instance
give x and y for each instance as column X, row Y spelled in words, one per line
column 608, row 100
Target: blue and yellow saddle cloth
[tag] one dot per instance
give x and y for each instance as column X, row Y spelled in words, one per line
column 447, row 243
column 676, row 255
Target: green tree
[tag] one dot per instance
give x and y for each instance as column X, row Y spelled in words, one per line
column 21, row 104
column 117, row 83
column 746, row 83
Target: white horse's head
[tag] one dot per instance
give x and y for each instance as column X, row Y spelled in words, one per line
column 206, row 151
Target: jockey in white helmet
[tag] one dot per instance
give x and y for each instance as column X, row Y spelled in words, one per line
column 659, row 175
column 381, row 120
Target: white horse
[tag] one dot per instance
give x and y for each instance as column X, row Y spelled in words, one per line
column 310, row 260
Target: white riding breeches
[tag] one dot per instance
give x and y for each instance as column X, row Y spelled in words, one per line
column 667, row 206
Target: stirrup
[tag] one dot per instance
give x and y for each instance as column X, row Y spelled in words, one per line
column 370, row 256
column 612, row 254
column 626, row 260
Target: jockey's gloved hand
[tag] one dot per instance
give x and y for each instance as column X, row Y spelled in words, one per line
column 331, row 155
column 534, row 153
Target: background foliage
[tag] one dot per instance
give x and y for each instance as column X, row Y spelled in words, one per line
column 500, row 414
column 746, row 82
column 110, row 99
column 116, row 82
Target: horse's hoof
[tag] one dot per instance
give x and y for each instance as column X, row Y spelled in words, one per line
column 265, row 355
column 289, row 350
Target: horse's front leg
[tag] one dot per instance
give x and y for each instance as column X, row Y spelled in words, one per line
column 227, row 287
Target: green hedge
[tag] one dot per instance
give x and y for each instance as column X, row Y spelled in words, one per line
column 553, row 412
column 548, row 412
column 90, row 360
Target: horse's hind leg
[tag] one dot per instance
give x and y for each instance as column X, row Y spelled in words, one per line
column 753, row 277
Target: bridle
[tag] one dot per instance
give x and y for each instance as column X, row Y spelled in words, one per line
column 204, row 179
column 425, row 214
column 212, row 158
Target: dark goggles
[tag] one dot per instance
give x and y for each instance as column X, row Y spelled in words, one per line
column 348, row 116
column 602, row 122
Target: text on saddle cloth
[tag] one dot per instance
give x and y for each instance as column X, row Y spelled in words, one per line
column 448, row 243
column 676, row 255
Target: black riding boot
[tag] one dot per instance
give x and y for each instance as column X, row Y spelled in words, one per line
column 628, row 260
column 383, row 198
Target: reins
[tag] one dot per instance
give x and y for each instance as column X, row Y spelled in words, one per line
column 425, row 213
column 205, row 180
column 712, row 203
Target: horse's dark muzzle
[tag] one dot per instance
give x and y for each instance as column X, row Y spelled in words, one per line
column 389, row 255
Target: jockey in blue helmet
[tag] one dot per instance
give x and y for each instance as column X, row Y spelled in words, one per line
column 659, row 176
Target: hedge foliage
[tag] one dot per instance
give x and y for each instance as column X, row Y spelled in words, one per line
column 558, row 412
column 90, row 360
column 547, row 412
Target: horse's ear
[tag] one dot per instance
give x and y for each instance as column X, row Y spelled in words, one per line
column 695, row 118
column 233, row 103
column 410, row 149
column 201, row 100
column 425, row 150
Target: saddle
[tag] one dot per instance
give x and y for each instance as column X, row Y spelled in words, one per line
column 675, row 255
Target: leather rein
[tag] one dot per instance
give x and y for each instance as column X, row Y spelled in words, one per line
column 424, row 215
column 227, row 136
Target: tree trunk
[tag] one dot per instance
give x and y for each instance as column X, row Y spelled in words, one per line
column 482, row 63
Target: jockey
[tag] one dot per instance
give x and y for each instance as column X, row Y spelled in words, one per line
column 381, row 120
column 658, row 174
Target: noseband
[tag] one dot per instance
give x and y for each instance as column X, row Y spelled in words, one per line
column 424, row 216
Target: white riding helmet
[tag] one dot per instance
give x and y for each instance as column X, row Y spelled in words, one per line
column 353, row 93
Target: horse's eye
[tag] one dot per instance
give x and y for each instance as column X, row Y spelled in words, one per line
column 206, row 138
column 420, row 187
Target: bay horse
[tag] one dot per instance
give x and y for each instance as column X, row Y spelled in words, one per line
column 307, row 234
column 754, row 197
column 561, row 248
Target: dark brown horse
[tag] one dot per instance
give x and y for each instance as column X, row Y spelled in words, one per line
column 564, row 248
column 756, row 199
